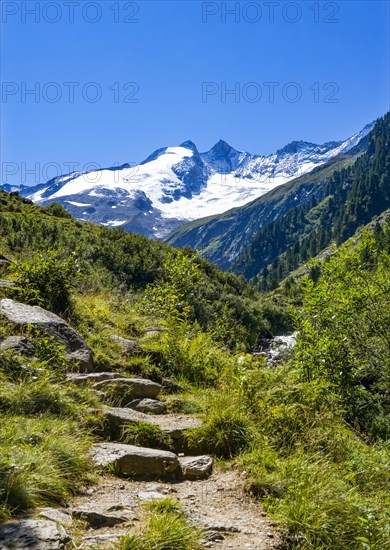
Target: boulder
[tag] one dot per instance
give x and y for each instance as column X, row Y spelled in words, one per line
column 84, row 378
column 198, row 467
column 76, row 349
column 134, row 387
column 130, row 347
column 34, row 534
column 136, row 461
column 148, row 406
column 18, row 344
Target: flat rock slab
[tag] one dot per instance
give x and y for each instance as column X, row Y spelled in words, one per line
column 172, row 424
column 136, row 461
column 33, row 534
column 75, row 347
column 92, row 377
column 196, row 467
column 137, row 387
column 96, row 519
column 146, row 405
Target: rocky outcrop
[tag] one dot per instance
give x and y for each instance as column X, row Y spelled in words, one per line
column 33, row 534
column 76, row 349
column 136, row 461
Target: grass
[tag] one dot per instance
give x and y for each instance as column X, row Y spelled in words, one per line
column 166, row 528
column 44, row 440
column 43, row 460
column 144, row 434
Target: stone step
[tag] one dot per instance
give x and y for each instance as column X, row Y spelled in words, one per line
column 142, row 461
column 126, row 387
column 136, row 461
column 173, row 425
column 92, row 377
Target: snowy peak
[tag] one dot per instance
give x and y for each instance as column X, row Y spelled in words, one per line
column 222, row 158
column 178, row 184
column 190, row 145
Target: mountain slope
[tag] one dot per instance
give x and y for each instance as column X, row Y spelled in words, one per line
column 222, row 238
column 178, row 184
column 352, row 198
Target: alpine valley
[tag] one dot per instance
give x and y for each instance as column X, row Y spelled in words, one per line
column 175, row 185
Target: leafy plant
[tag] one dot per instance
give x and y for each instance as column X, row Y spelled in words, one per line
column 46, row 279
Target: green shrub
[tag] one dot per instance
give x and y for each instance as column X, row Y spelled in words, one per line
column 46, row 279
column 225, row 434
column 343, row 333
column 188, row 353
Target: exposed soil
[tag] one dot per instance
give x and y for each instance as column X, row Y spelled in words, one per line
column 232, row 518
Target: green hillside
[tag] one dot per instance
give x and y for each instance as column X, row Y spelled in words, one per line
column 308, row 437
column 353, row 196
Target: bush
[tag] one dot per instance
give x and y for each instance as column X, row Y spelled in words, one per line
column 343, row 333
column 46, row 279
column 188, row 353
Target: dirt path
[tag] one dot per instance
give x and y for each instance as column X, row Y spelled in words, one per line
column 232, row 519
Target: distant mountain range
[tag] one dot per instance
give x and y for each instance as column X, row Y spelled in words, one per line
column 270, row 237
column 175, row 185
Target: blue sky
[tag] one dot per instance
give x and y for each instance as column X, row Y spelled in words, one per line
column 149, row 74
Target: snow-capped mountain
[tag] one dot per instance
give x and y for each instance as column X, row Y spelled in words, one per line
column 178, row 184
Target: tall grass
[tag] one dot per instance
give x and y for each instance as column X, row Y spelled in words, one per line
column 167, row 528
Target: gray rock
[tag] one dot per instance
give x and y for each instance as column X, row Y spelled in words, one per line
column 148, row 406
column 57, row 515
column 136, row 387
column 34, row 534
column 75, row 347
column 4, row 263
column 198, row 467
column 96, row 519
column 84, row 378
column 18, row 344
column 137, row 461
column 128, row 346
